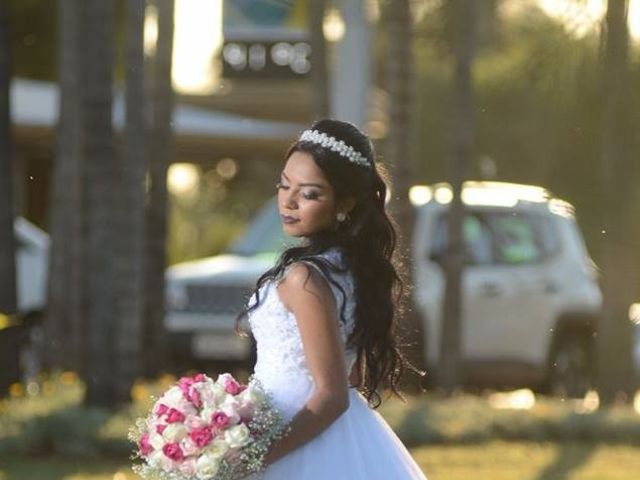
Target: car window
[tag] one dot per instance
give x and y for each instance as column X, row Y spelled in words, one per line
column 515, row 239
column 500, row 237
column 522, row 238
column 477, row 239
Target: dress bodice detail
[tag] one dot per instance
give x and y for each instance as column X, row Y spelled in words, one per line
column 281, row 363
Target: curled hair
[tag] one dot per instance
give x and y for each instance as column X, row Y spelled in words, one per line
column 368, row 240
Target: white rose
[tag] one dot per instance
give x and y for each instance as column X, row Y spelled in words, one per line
column 217, row 448
column 188, row 447
column 156, row 441
column 237, row 436
column 159, row 460
column 219, row 393
column 188, row 467
column 252, row 395
column 195, row 421
column 174, row 432
column 207, row 466
column 172, row 397
column 155, row 459
column 206, row 414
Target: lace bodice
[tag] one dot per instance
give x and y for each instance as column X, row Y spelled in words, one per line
column 281, row 366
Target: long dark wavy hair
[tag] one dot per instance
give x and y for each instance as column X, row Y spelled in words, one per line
column 367, row 239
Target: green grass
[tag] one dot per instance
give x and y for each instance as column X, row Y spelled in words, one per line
column 529, row 461
column 494, row 460
column 46, row 434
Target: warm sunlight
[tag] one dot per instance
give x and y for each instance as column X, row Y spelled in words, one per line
column 582, row 17
column 197, row 38
column 522, row 399
column 183, row 177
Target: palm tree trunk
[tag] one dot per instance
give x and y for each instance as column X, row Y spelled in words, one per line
column 160, row 155
column 319, row 72
column 64, row 319
column 619, row 258
column 462, row 18
column 98, row 155
column 400, row 151
column 8, row 299
column 129, row 236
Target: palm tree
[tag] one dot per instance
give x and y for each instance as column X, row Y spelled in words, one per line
column 129, row 224
column 65, row 315
column 619, row 259
column 319, row 73
column 400, row 86
column 160, row 155
column 98, row 157
column 8, row 301
column 461, row 18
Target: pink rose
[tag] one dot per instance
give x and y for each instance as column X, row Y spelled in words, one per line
column 160, row 428
column 161, row 409
column 232, row 387
column 144, row 445
column 185, row 384
column 175, row 416
column 201, row 437
column 199, row 377
column 220, row 420
column 194, row 397
column 173, row 451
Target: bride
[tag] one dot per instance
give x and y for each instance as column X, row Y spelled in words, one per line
column 324, row 315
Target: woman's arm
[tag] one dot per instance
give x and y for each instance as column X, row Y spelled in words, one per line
column 307, row 294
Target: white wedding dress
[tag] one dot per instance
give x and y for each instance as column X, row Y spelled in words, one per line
column 359, row 445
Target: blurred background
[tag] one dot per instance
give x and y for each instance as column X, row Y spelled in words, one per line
column 140, row 144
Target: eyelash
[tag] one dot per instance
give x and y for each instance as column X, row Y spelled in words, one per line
column 306, row 196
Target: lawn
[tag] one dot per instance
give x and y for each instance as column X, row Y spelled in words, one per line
column 530, row 461
column 494, row 460
column 46, row 434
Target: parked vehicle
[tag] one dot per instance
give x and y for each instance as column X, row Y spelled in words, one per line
column 530, row 295
column 530, row 298
column 204, row 297
column 21, row 335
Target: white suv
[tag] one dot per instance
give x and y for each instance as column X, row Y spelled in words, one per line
column 530, row 301
column 204, row 297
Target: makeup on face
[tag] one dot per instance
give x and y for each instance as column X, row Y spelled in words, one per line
column 305, row 199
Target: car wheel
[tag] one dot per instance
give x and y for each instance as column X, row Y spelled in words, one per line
column 571, row 368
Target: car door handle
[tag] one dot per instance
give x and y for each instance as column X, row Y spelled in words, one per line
column 491, row 290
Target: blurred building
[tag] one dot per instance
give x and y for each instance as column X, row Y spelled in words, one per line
column 241, row 75
column 201, row 136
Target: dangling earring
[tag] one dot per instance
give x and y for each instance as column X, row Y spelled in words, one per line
column 341, row 217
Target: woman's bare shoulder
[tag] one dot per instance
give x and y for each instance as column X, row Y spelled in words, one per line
column 302, row 279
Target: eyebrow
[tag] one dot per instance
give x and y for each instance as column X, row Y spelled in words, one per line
column 304, row 184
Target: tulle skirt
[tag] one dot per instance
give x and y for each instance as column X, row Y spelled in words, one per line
column 359, row 445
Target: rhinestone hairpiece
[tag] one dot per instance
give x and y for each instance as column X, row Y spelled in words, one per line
column 335, row 145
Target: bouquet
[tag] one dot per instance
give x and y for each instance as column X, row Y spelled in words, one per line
column 206, row 430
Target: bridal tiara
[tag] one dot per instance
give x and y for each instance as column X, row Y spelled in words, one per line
column 332, row 143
